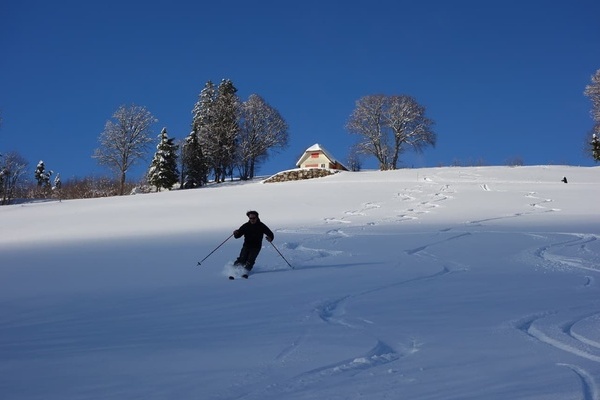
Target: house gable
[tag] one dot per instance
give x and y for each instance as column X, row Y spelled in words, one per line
column 317, row 157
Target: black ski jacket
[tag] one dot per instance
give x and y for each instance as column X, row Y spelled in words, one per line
column 253, row 233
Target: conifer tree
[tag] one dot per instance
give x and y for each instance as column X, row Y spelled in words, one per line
column 42, row 176
column 1, row 176
column 58, row 186
column 203, row 109
column 163, row 173
column 198, row 149
column 595, row 147
column 225, row 130
column 195, row 168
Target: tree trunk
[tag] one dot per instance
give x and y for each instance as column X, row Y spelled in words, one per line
column 122, row 184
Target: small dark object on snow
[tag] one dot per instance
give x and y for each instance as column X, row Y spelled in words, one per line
column 564, row 179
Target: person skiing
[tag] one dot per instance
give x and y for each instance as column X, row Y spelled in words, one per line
column 253, row 232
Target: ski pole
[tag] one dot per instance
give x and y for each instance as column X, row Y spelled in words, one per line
column 200, row 262
column 276, row 249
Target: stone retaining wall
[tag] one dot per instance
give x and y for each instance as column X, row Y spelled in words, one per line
column 299, row 174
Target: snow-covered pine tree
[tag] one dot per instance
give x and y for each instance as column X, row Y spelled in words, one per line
column 163, row 173
column 202, row 117
column 203, row 124
column 198, row 150
column 43, row 179
column 57, row 182
column 195, row 166
column 41, row 175
column 57, row 187
column 2, row 173
column 595, row 147
column 225, row 129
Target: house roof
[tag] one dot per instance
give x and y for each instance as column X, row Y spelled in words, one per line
column 315, row 147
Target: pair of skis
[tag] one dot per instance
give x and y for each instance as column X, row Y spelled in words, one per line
column 244, row 274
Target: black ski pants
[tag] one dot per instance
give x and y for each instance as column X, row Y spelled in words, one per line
column 247, row 257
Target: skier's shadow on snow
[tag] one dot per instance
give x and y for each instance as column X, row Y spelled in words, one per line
column 305, row 267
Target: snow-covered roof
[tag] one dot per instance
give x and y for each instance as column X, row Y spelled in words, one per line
column 316, row 147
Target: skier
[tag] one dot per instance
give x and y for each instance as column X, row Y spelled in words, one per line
column 253, row 232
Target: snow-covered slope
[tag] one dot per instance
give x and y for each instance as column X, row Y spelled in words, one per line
column 441, row 283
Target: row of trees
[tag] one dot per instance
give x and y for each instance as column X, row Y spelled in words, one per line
column 226, row 134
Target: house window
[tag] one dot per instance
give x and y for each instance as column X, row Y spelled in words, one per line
column 314, row 155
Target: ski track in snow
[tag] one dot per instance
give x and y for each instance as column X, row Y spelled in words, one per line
column 553, row 256
column 334, row 311
column 537, row 206
column 416, row 207
column 559, row 329
column 412, row 199
column 572, row 331
column 344, row 370
column 546, row 327
column 588, row 385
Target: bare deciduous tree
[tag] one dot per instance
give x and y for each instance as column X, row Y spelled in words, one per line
column 261, row 129
column 388, row 125
column 410, row 127
column 354, row 161
column 12, row 171
column 125, row 140
column 593, row 92
column 367, row 121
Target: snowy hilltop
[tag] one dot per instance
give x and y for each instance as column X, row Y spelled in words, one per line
column 438, row 283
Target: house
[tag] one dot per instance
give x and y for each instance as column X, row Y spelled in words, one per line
column 317, row 157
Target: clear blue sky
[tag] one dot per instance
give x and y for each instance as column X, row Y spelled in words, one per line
column 501, row 79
